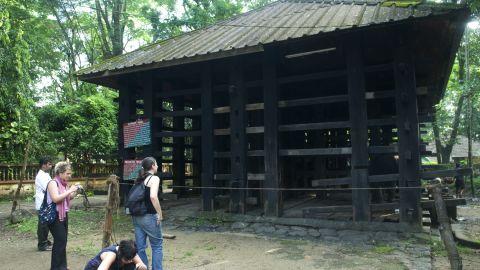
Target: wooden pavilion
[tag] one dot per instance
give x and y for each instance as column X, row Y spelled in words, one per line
column 293, row 98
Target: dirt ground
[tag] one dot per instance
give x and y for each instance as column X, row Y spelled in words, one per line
column 204, row 250
column 215, row 250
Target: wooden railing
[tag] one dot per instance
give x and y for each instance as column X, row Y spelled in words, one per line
column 13, row 172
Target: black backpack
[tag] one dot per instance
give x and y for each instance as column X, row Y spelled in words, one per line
column 135, row 204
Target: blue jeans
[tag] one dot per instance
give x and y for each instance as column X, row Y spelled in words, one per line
column 147, row 226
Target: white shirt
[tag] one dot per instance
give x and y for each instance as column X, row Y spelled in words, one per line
column 41, row 181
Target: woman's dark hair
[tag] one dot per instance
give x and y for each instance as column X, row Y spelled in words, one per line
column 127, row 250
column 147, row 164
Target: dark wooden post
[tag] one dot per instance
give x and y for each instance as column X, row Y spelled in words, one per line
column 238, row 146
column 148, row 110
column 408, row 135
column 358, row 131
column 126, row 108
column 179, row 147
column 207, row 137
column 273, row 201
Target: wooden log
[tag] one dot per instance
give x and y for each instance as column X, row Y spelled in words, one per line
column 445, row 229
column 113, row 201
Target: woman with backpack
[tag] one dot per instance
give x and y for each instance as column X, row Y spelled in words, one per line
column 60, row 193
column 149, row 224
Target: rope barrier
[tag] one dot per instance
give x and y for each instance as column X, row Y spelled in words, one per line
column 292, row 189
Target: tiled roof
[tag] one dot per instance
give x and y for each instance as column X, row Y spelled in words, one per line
column 278, row 21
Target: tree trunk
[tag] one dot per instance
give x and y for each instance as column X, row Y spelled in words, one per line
column 446, row 151
column 20, row 183
column 438, row 143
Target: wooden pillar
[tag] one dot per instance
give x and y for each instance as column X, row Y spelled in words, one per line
column 148, row 109
column 126, row 107
column 273, row 201
column 207, row 138
column 358, row 131
column 196, row 156
column 238, row 146
column 408, row 135
column 179, row 147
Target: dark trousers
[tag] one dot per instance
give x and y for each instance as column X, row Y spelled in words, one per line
column 59, row 230
column 42, row 234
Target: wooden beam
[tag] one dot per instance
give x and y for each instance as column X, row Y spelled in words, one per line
column 331, row 181
column 312, row 76
column 179, row 113
column 185, row 133
column 207, row 138
column 408, row 133
column 312, row 101
column 449, row 202
column 228, row 177
column 316, row 151
column 273, row 205
column 358, row 122
column 313, row 212
column 315, row 126
column 384, row 206
column 238, row 138
column 175, row 93
column 446, row 173
column 383, row 178
column 380, row 149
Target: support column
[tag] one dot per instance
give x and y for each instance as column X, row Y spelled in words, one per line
column 273, row 201
column 358, row 131
column 179, row 147
column 207, row 138
column 238, row 146
column 408, row 135
column 126, row 106
column 148, row 111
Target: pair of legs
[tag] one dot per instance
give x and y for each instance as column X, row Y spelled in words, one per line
column 146, row 226
column 59, row 230
column 42, row 234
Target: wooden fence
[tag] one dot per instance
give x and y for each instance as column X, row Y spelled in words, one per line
column 12, row 172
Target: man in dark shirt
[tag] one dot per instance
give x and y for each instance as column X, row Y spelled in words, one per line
column 459, row 183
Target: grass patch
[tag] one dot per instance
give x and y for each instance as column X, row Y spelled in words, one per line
column 437, row 247
column 383, row 249
column 214, row 218
column 29, row 225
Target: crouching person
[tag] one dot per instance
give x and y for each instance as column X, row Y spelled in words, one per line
column 123, row 256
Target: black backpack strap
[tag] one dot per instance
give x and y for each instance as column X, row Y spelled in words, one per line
column 148, row 179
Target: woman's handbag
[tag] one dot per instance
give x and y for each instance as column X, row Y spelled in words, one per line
column 48, row 211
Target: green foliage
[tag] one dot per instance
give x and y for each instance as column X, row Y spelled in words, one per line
column 82, row 130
